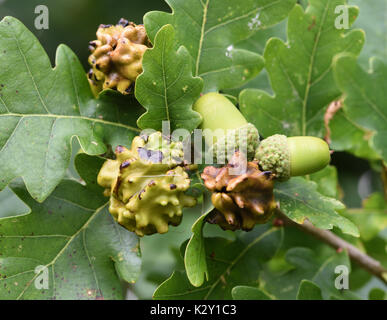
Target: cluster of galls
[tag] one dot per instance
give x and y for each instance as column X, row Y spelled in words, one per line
column 242, row 194
column 147, row 185
column 116, row 56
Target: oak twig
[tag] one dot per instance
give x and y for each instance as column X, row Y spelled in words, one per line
column 365, row 261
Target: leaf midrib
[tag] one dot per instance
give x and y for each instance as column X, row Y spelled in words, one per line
column 204, row 32
column 30, row 73
column 310, row 71
column 165, row 80
column 317, row 210
column 256, row 10
column 110, row 123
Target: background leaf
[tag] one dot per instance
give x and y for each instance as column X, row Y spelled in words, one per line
column 349, row 136
column 42, row 109
column 373, row 20
column 161, row 255
column 230, row 263
column 327, row 182
column 377, row 294
column 308, row 290
column 307, row 265
column 300, row 72
column 365, row 97
column 299, row 200
column 74, row 236
column 256, row 43
column 371, row 219
column 11, row 205
column 195, row 252
column 249, row 293
column 167, row 88
column 209, row 29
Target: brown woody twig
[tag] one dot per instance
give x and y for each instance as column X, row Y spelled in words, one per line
column 366, row 262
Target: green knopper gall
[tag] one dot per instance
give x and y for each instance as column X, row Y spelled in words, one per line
column 219, row 113
column 146, row 190
column 172, row 151
column 116, row 56
column 295, row 156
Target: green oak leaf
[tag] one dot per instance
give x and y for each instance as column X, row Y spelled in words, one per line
column 11, row 205
column 230, row 263
column 308, row 290
column 377, row 294
column 375, row 201
column 167, row 88
column 373, row 20
column 369, row 221
column 377, row 247
column 195, row 252
column 300, row 200
column 85, row 252
column 303, row 3
column 307, row 266
column 327, row 181
column 300, row 72
column 365, row 97
column 372, row 218
column 42, row 109
column 327, row 275
column 249, row 293
column 348, row 136
column 209, row 29
column 284, row 284
column 256, row 43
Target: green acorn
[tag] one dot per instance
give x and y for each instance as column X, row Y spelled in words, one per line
column 219, row 113
column 295, row 156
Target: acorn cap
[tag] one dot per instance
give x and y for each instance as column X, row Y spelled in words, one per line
column 225, row 128
column 244, row 139
column 294, row 156
column 273, row 155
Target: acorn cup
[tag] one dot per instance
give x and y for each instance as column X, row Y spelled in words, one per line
column 294, row 156
column 219, row 114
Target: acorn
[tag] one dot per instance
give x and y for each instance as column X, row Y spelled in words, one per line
column 220, row 114
column 288, row 157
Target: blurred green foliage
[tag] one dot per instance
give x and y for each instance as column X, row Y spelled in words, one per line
column 75, row 22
